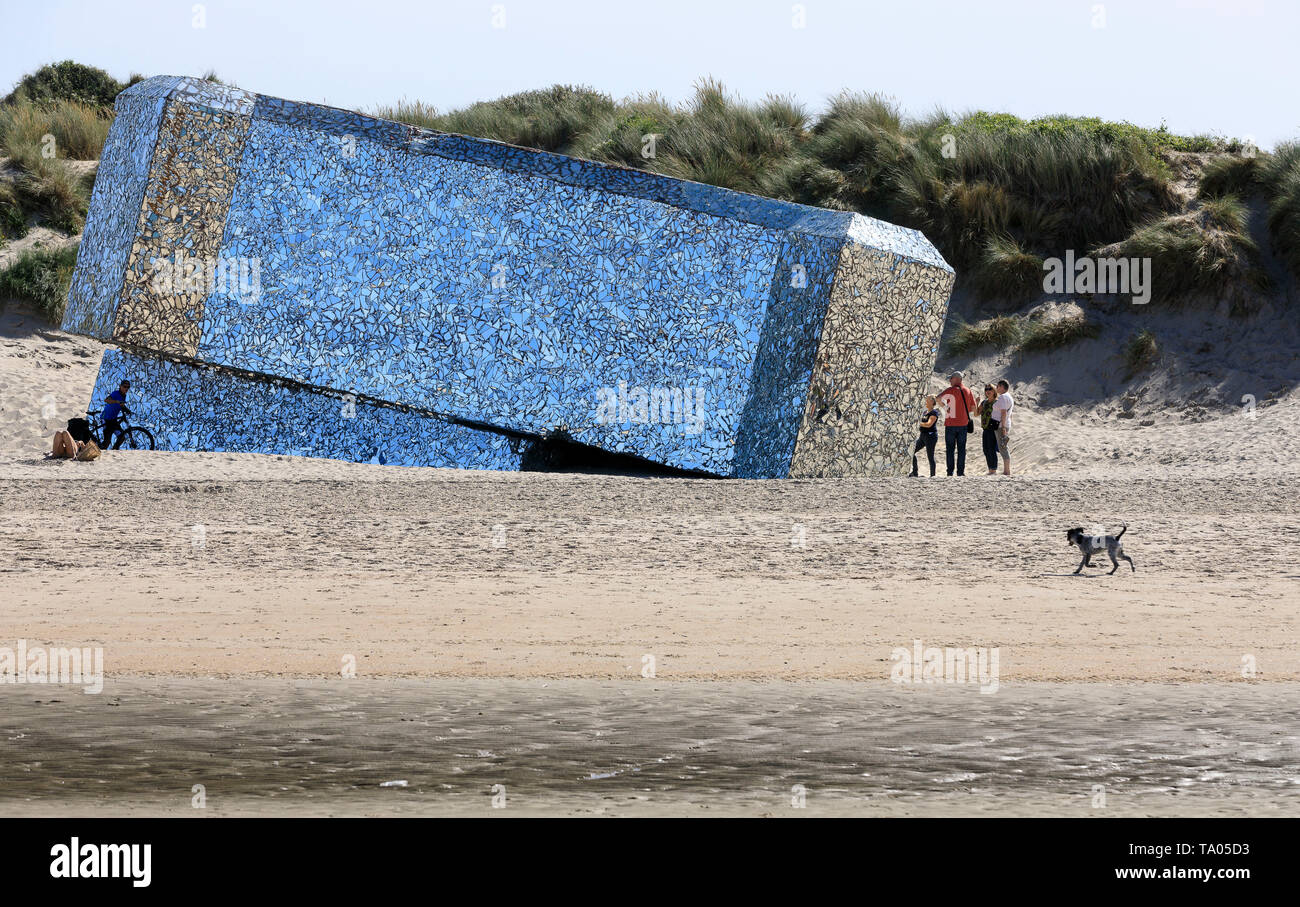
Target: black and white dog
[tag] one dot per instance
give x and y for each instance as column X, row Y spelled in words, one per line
column 1093, row 544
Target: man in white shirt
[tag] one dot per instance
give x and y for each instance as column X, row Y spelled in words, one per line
column 1002, row 408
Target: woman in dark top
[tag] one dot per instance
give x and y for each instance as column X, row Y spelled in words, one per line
column 929, row 433
column 990, row 426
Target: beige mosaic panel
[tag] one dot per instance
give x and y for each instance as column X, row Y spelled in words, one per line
column 169, row 272
column 873, row 364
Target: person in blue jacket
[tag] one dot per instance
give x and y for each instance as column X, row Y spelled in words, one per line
column 113, row 406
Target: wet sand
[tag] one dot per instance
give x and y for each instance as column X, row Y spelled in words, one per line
column 582, row 747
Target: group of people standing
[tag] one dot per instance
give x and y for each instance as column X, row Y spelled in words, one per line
column 958, row 414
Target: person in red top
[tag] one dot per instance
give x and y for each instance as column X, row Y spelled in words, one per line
column 959, row 404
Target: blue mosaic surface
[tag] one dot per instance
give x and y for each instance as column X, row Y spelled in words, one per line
column 191, row 407
column 774, row 411
column 115, row 208
column 396, row 300
column 505, row 286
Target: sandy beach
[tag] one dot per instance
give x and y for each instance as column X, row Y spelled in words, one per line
column 534, row 575
column 230, row 593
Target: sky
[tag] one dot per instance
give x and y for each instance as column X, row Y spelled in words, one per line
column 1226, row 67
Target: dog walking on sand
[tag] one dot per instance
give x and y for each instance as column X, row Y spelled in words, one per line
column 1094, row 544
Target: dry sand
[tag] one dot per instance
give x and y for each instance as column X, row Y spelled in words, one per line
column 586, row 575
column 455, row 577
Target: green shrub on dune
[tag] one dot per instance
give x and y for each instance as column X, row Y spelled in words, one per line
column 1154, row 140
column 549, row 119
column 41, row 277
column 630, row 134
column 66, row 81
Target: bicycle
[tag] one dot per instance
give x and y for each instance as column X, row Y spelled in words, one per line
column 133, row 437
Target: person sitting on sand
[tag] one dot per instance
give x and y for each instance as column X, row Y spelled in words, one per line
column 929, row 433
column 67, row 447
column 113, row 406
column 990, row 426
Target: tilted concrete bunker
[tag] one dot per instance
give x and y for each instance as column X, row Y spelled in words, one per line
column 384, row 291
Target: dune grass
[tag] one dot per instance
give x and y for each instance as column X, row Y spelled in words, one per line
column 38, row 138
column 416, row 113
column 1274, row 177
column 1230, row 176
column 1000, row 332
column 861, row 137
column 1007, row 271
column 1052, row 191
column 56, row 195
column 41, row 277
column 725, row 142
column 1280, row 176
column 1019, row 333
column 1205, row 252
column 59, row 113
column 76, row 131
column 1042, row 335
column 632, row 133
column 13, row 221
column 1141, row 353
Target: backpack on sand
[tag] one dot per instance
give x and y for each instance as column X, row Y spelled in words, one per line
column 79, row 429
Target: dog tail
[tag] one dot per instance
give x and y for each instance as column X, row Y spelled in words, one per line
column 1121, row 532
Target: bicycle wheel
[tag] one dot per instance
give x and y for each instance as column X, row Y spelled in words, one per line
column 136, row 438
